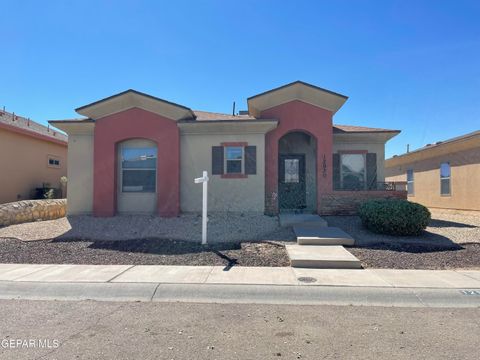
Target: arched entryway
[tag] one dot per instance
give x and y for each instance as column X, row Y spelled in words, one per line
column 297, row 172
column 137, row 176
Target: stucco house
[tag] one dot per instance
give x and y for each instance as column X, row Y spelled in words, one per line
column 31, row 156
column 442, row 175
column 135, row 153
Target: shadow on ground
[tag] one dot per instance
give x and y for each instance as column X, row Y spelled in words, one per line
column 156, row 246
column 437, row 223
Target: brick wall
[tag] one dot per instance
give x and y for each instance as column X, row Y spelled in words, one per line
column 347, row 202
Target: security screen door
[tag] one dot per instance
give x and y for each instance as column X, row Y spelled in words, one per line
column 291, row 182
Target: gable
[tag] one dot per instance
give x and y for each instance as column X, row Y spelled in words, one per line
column 297, row 90
column 135, row 99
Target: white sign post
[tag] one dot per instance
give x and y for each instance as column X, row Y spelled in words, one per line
column 204, row 180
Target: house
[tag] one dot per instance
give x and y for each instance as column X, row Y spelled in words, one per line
column 135, row 153
column 443, row 175
column 31, row 156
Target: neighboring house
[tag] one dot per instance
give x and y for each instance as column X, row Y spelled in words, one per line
column 135, row 153
column 31, row 155
column 442, row 175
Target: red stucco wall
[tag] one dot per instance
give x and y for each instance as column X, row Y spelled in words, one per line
column 298, row 116
column 130, row 124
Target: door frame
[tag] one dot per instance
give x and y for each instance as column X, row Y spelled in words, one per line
column 302, row 178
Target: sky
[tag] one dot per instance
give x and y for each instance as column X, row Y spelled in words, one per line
column 407, row 65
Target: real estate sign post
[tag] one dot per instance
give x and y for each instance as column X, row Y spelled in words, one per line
column 204, row 180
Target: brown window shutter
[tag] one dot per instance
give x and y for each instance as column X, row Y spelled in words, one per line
column 250, row 160
column 372, row 171
column 336, row 171
column 217, row 160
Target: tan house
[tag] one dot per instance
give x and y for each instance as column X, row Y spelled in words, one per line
column 31, row 156
column 443, row 175
column 135, row 153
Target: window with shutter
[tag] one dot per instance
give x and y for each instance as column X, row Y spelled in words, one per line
column 217, row 160
column 371, row 171
column 234, row 160
column 250, row 160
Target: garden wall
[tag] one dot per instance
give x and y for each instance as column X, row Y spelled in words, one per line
column 347, row 202
column 32, row 210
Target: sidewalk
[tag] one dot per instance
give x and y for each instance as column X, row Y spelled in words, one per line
column 286, row 276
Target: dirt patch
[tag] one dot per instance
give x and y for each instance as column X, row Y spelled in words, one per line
column 143, row 251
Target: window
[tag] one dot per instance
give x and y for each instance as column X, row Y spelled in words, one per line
column 445, row 178
column 233, row 159
column 353, row 171
column 292, row 171
column 139, row 169
column 410, row 181
column 53, row 161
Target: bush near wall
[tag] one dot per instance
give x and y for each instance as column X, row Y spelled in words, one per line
column 32, row 210
column 394, row 217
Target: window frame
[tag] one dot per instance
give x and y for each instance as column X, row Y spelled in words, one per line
column 122, row 169
column 412, row 181
column 364, row 156
column 54, row 159
column 449, row 177
column 226, row 160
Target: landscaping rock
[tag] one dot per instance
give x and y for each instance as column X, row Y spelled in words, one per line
column 32, row 210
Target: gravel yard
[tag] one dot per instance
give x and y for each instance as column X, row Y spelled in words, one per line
column 235, row 239
column 452, row 240
column 222, row 227
column 143, row 252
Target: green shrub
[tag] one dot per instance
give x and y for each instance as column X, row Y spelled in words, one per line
column 394, row 217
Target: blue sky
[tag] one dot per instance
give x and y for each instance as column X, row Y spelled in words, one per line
column 411, row 65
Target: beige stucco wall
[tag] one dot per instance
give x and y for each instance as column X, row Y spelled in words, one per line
column 372, row 144
column 24, row 165
column 245, row 194
column 464, row 183
column 80, row 174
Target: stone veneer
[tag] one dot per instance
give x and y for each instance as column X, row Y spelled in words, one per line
column 32, row 210
column 347, row 202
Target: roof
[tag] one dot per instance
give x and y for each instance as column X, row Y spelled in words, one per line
column 30, row 127
column 131, row 99
column 207, row 117
column 338, row 129
column 297, row 90
column 132, row 91
column 214, row 116
column 298, row 82
column 439, row 144
column 72, row 121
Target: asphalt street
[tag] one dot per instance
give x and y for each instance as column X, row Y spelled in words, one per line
column 167, row 330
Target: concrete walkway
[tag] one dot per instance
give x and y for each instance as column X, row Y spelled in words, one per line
column 318, row 245
column 156, row 274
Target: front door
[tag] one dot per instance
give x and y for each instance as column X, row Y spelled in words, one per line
column 291, row 181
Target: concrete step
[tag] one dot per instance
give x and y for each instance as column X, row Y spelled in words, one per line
column 309, row 234
column 296, row 219
column 322, row 257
